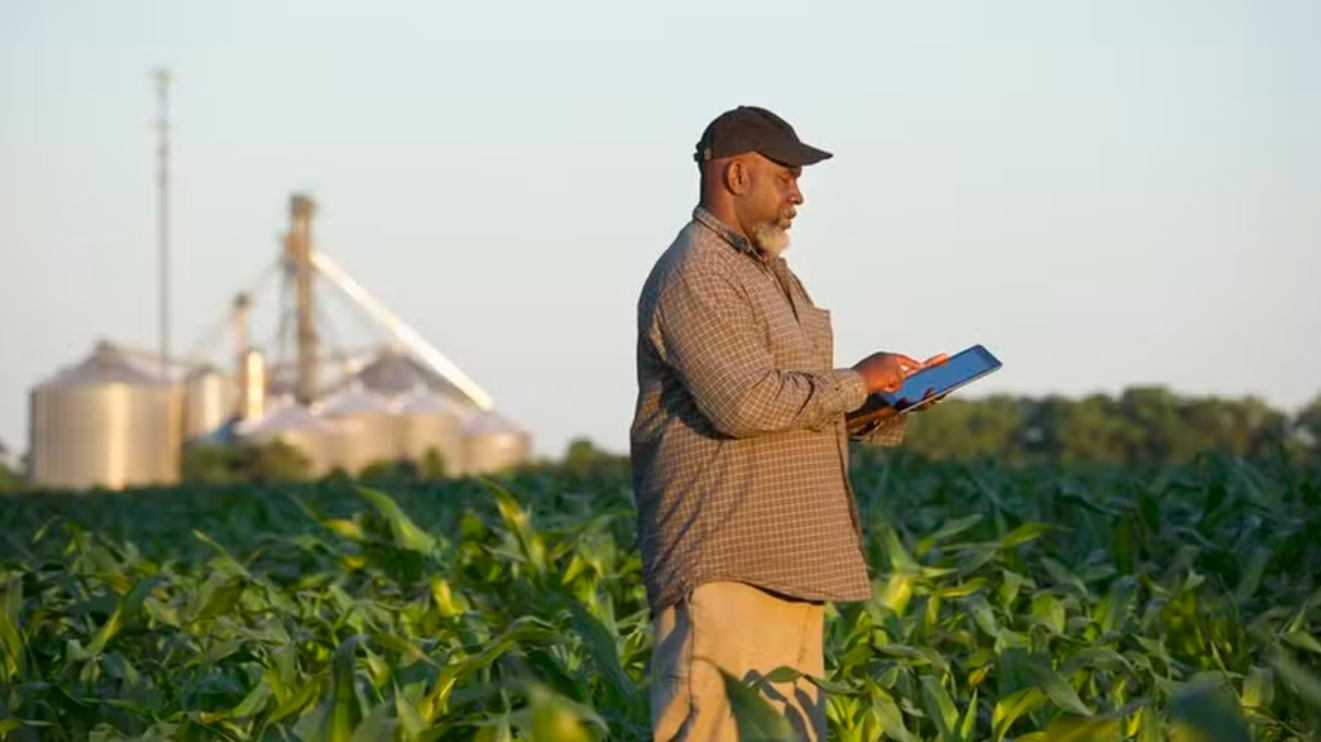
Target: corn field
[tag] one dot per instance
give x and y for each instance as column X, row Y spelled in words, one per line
column 1008, row 604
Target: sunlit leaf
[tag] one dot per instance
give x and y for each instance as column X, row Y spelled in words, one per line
column 755, row 718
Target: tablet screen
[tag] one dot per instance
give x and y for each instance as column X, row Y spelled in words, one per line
column 958, row 370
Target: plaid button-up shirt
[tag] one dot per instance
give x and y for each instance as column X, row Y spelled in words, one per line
column 739, row 442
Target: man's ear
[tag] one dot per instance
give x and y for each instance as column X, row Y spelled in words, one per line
column 737, row 177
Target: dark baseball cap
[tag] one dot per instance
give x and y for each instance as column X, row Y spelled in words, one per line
column 753, row 129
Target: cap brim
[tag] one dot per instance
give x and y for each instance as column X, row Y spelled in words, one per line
column 797, row 155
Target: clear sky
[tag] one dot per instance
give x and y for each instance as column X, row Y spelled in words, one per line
column 1103, row 193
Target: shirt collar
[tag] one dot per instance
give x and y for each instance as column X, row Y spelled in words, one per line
column 727, row 233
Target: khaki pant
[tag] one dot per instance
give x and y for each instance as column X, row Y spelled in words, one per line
column 749, row 632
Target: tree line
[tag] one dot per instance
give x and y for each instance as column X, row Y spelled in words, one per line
column 1143, row 426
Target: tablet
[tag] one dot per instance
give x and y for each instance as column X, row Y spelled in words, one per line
column 958, row 370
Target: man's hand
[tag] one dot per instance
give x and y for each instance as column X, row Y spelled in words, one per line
column 929, row 400
column 887, row 371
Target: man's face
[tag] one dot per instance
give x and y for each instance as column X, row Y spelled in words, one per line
column 769, row 204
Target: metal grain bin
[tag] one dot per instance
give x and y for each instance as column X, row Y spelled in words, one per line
column 394, row 372
column 427, row 420
column 295, row 425
column 252, row 384
column 105, row 422
column 209, row 399
column 493, row 444
column 366, row 432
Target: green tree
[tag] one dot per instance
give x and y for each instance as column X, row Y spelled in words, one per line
column 958, row 428
column 11, row 472
column 390, row 470
column 1308, row 427
column 11, row 481
column 1093, row 430
column 1144, row 426
column 244, row 462
column 433, row 465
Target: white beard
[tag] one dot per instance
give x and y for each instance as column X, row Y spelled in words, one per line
column 771, row 238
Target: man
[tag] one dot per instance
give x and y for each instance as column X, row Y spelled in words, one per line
column 746, row 517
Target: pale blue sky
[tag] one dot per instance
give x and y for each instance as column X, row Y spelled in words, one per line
column 1104, row 193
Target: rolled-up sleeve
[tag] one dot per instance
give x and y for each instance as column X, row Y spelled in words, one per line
column 705, row 329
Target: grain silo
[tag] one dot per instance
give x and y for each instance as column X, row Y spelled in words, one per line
column 209, row 400
column 493, row 444
column 429, row 421
column 288, row 422
column 366, row 432
column 393, row 372
column 105, row 422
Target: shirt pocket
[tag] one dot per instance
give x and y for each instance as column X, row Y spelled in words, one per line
column 820, row 336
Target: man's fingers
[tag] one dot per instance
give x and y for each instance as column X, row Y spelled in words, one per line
column 894, row 383
column 908, row 365
column 936, row 360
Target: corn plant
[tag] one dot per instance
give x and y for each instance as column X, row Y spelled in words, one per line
column 1008, row 604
